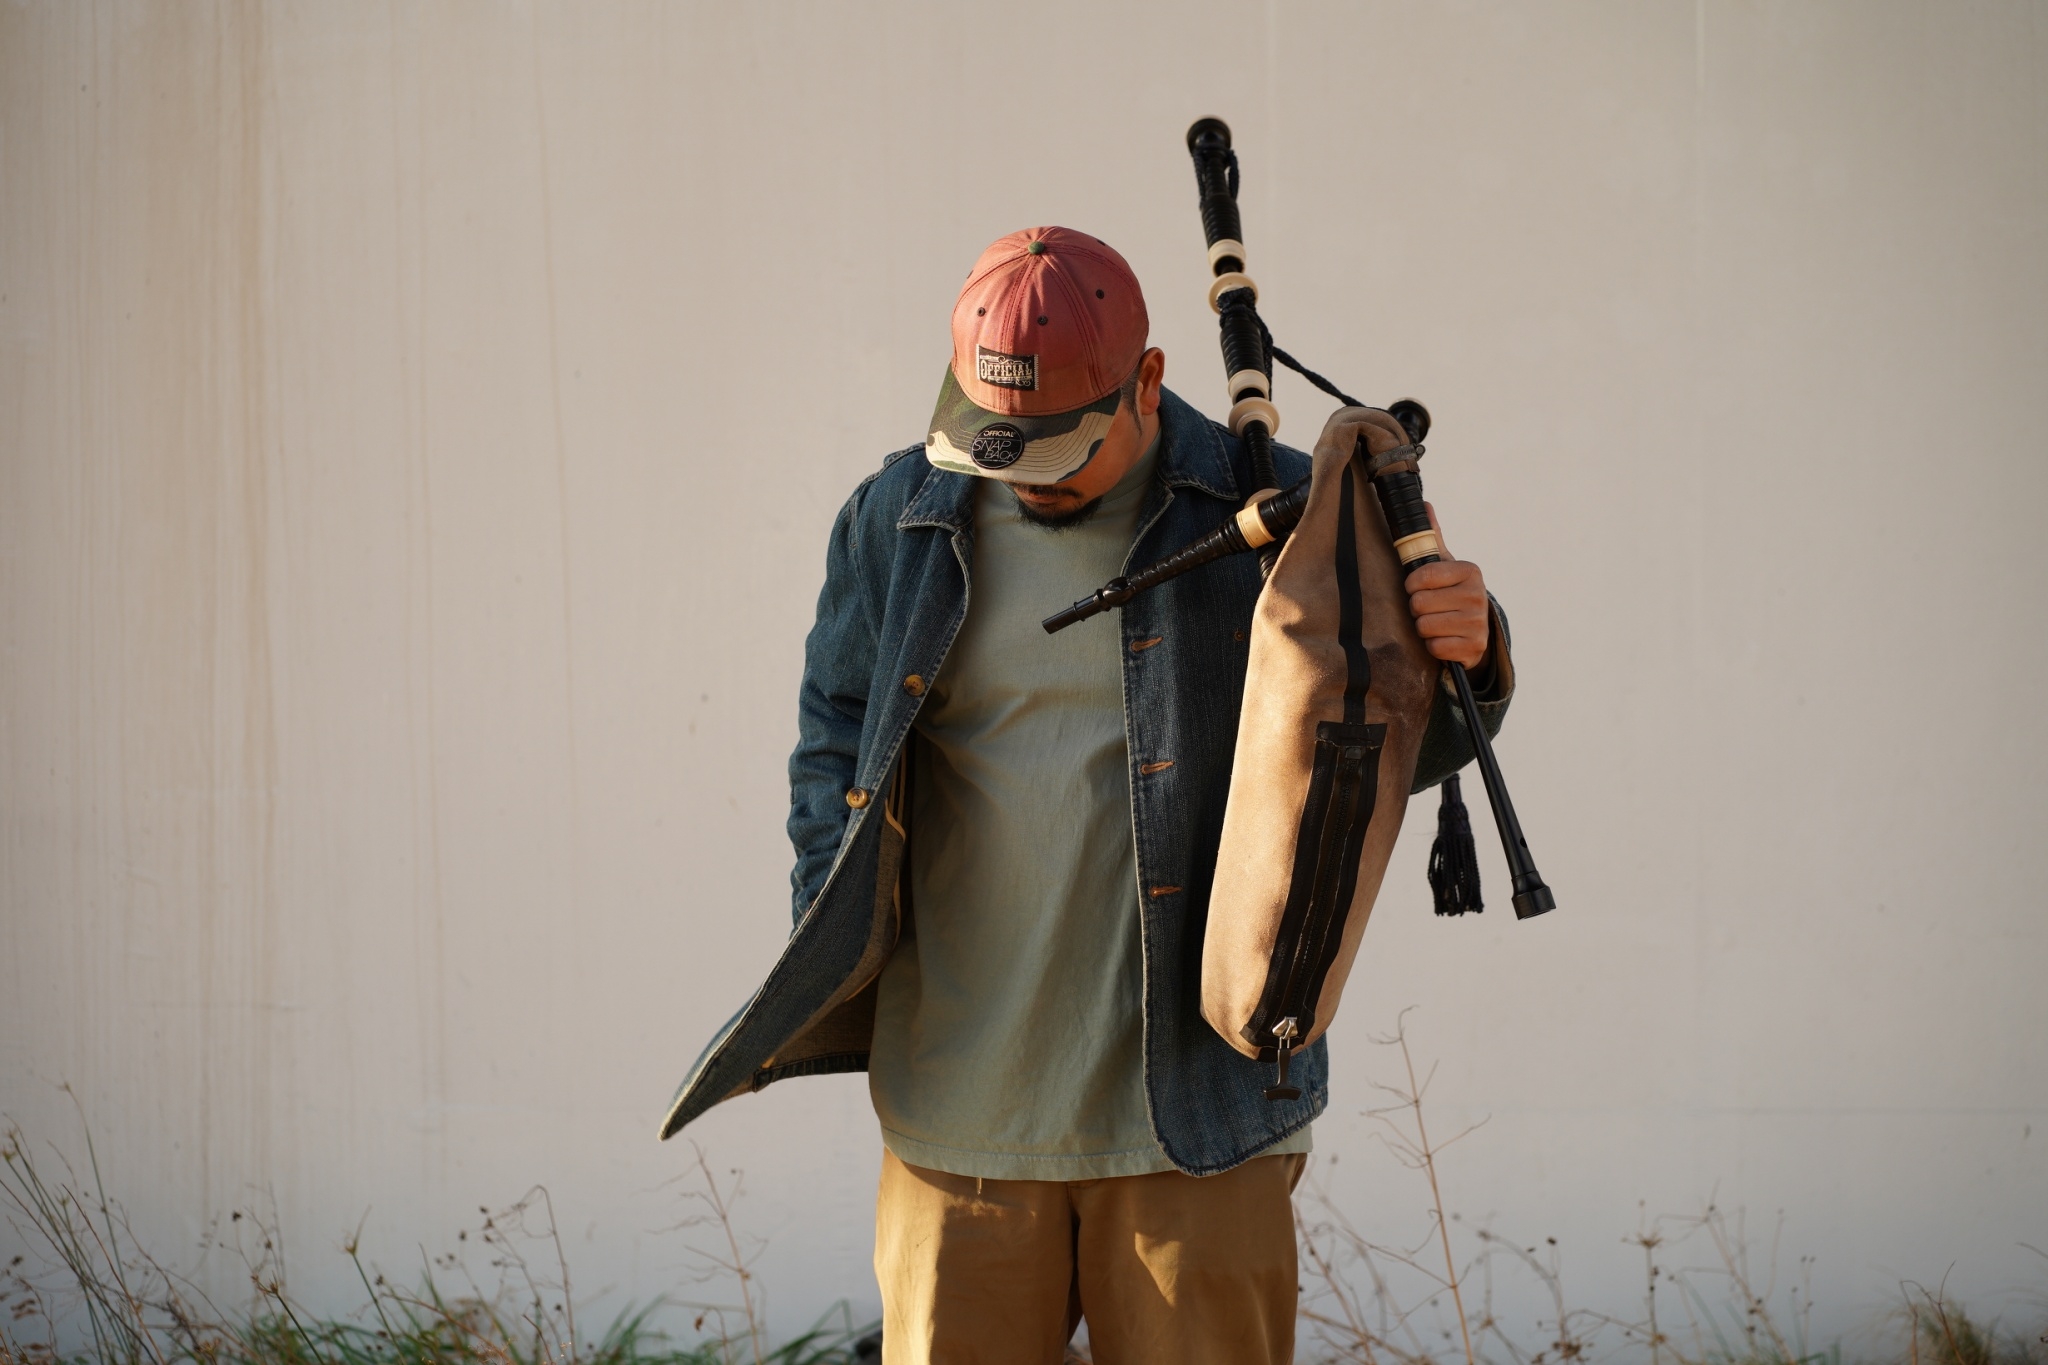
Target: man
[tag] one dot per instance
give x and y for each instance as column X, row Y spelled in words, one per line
column 1005, row 842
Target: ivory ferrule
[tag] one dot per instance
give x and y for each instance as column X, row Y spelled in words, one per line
column 1224, row 283
column 1253, row 409
column 1248, row 379
column 1412, row 548
column 1229, row 246
column 1251, row 525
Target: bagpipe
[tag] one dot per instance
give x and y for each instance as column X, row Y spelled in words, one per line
column 1338, row 689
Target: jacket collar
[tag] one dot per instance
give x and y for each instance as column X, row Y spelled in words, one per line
column 1191, row 455
column 1191, row 450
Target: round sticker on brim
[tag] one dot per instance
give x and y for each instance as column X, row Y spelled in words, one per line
column 966, row 438
column 997, row 446
column 1042, row 459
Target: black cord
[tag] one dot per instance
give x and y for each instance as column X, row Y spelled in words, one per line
column 1310, row 375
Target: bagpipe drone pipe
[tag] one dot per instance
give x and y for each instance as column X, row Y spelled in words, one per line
column 1338, row 689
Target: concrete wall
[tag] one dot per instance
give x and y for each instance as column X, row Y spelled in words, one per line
column 419, row 427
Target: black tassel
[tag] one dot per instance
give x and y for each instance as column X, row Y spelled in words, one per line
column 1453, row 862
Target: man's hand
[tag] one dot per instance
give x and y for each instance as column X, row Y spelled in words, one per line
column 1448, row 600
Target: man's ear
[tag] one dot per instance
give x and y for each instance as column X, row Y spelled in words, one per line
column 1151, row 376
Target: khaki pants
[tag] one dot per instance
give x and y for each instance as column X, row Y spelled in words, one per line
column 1166, row 1268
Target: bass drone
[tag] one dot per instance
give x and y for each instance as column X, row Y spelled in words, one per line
column 1338, row 689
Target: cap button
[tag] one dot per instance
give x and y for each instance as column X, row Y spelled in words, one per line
column 1037, row 248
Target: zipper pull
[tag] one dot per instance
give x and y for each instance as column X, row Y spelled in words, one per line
column 1284, row 1034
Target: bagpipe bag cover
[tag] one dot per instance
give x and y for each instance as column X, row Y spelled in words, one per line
column 1297, row 676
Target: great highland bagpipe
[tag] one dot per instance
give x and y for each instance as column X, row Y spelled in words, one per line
column 1338, row 690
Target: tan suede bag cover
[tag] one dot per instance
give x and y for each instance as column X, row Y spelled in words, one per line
column 1254, row 954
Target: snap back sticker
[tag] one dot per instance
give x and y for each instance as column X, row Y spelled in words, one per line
column 1006, row 371
column 997, row 446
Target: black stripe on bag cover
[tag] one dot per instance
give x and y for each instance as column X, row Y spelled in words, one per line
column 1363, row 741
column 1343, row 789
column 1351, row 607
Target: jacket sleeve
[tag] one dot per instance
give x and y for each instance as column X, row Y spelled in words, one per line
column 1446, row 740
column 832, row 704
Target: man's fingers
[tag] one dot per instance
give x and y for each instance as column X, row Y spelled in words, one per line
column 1448, row 601
column 1456, row 650
column 1464, row 597
column 1454, row 636
column 1460, row 645
column 1456, row 587
column 1448, row 623
column 1443, row 574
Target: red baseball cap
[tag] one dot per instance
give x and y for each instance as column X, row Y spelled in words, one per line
column 1050, row 323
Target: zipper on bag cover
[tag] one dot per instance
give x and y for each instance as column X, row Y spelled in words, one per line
column 1284, row 1034
column 1343, row 789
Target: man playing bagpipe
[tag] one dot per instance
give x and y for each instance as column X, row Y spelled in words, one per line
column 1006, row 842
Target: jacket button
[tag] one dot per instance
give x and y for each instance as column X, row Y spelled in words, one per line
column 856, row 797
column 914, row 685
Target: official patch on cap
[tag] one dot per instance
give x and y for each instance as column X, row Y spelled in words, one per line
column 1005, row 371
column 967, row 438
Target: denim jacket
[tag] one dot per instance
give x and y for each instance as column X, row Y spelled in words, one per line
column 896, row 591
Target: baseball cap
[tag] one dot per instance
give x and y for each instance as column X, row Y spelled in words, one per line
column 1050, row 322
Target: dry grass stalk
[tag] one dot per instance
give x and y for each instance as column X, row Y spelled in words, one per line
column 1732, row 1307
column 130, row 1309
column 1350, row 1328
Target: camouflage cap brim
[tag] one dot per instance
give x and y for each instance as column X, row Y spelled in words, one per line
column 967, row 438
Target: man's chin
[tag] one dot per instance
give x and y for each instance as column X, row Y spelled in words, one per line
column 1057, row 511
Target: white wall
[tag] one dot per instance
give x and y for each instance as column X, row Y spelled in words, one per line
column 419, row 427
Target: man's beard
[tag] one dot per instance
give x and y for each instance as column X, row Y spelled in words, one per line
column 1058, row 521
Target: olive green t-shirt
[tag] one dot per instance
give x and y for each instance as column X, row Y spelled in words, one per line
column 1009, row 1034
